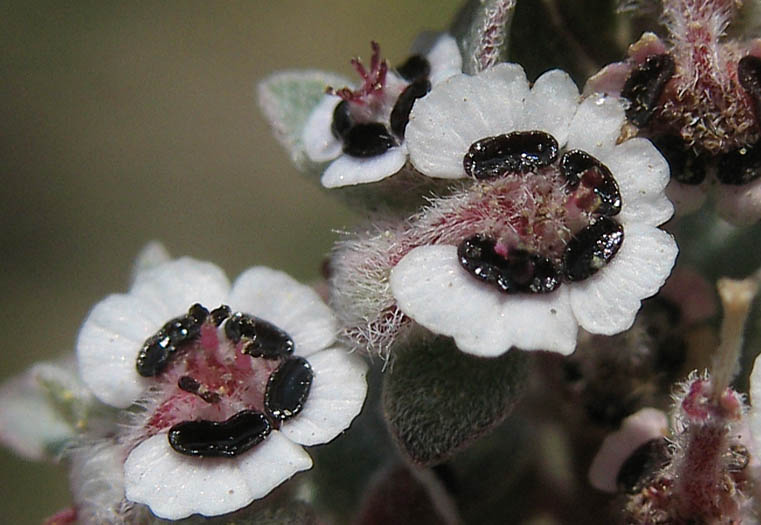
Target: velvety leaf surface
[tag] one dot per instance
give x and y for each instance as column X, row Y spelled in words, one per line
column 287, row 98
column 437, row 399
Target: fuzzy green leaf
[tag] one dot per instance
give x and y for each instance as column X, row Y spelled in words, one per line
column 482, row 29
column 287, row 98
column 437, row 399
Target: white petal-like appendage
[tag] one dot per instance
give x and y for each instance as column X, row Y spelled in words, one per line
column 109, row 343
column 636, row 430
column 180, row 283
column 445, row 59
column 608, row 302
column 552, row 104
column 754, row 415
column 175, row 486
column 739, row 205
column 294, row 307
column 153, row 254
column 336, row 397
column 347, row 170
column 596, row 125
column 642, row 175
column 319, row 142
column 460, row 111
column 432, row 288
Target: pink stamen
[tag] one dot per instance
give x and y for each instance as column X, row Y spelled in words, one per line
column 501, row 249
column 373, row 81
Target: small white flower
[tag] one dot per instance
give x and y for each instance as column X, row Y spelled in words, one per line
column 568, row 195
column 364, row 136
column 209, row 374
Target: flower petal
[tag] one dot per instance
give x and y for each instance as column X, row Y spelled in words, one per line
column 108, row 345
column 552, row 104
column 319, row 142
column 445, row 59
column 596, row 125
column 336, row 397
column 460, row 111
column 431, row 287
column 642, row 175
column 347, row 170
column 178, row 284
column 294, row 307
column 739, row 205
column 175, row 486
column 608, row 302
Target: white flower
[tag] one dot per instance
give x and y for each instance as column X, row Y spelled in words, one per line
column 370, row 146
column 548, row 222
column 208, row 377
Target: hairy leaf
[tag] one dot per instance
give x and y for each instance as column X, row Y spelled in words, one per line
column 437, row 399
column 287, row 98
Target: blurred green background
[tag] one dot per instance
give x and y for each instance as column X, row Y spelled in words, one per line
column 122, row 122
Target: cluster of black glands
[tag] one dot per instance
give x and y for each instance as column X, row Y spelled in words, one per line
column 285, row 394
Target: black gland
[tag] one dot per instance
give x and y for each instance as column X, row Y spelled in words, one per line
column 579, row 167
column 684, row 165
column 226, row 438
column 520, row 151
column 191, row 385
column 288, row 388
column 519, row 272
column 341, row 120
column 367, row 140
column 219, row 314
column 158, row 349
column 400, row 115
column 642, row 464
column 414, row 68
column 261, row 338
column 644, row 87
column 749, row 76
column 740, row 166
column 592, row 248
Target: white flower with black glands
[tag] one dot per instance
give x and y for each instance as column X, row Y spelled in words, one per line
column 561, row 224
column 230, row 390
column 361, row 132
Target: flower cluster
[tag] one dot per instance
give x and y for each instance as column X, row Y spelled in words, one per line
column 539, row 225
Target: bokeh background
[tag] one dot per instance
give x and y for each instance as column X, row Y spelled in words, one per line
column 122, row 122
